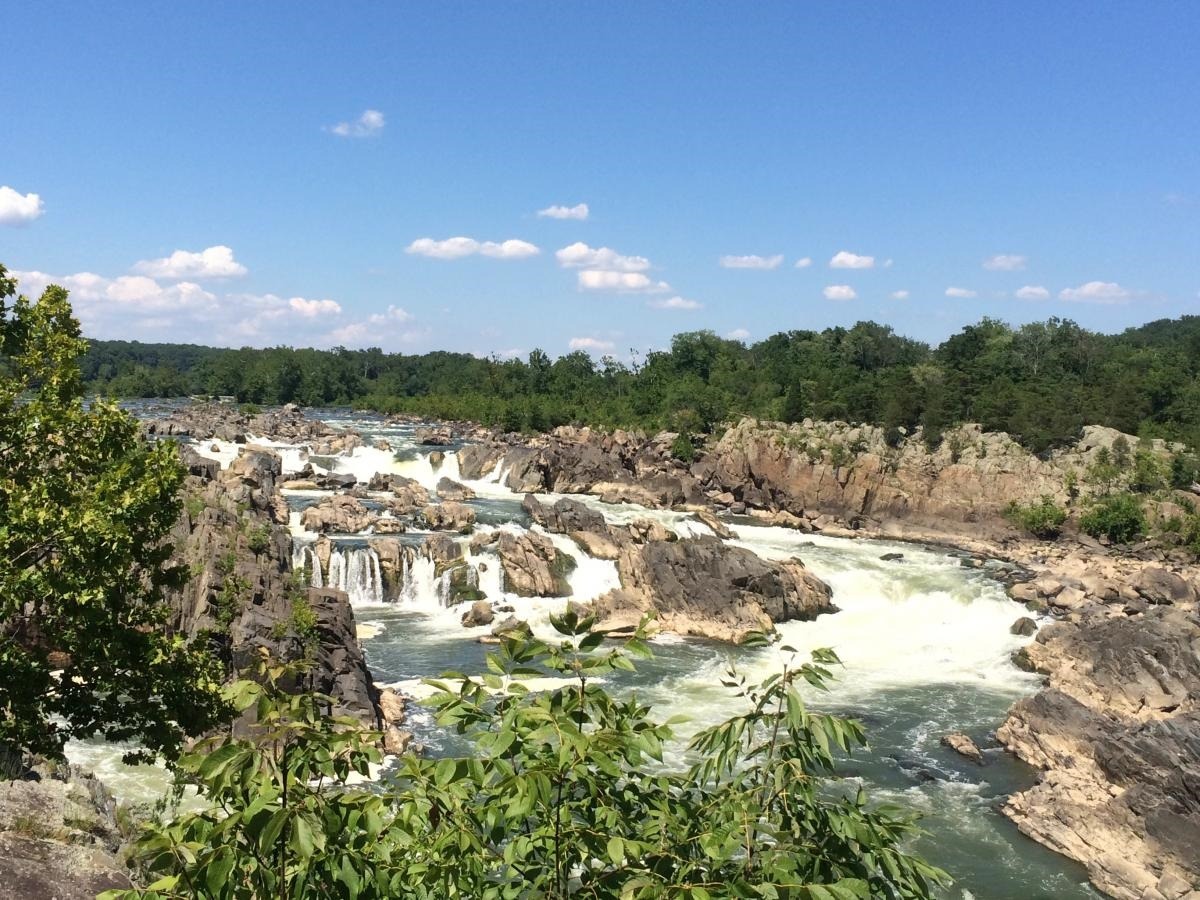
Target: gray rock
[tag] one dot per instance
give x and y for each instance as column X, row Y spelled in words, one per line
column 1024, row 626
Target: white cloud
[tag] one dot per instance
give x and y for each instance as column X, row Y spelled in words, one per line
column 839, row 292
column 580, row 256
column 738, row 334
column 590, row 343
column 369, row 124
column 1005, row 262
column 844, row 259
column 1096, row 292
column 213, row 262
column 804, row 262
column 751, row 262
column 1033, row 292
column 622, row 282
column 578, row 212
column 676, row 303
column 312, row 308
column 391, row 314
column 458, row 247
column 17, row 208
column 887, row 263
column 960, row 293
column 899, row 295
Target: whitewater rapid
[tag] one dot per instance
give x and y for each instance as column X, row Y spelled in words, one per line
column 925, row 646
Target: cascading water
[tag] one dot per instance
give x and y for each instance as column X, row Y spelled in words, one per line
column 925, row 643
column 357, row 572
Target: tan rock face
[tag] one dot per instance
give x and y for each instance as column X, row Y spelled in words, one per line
column 1117, row 735
column 449, row 516
column 340, row 514
column 533, row 566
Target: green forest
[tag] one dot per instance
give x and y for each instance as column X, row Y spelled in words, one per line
column 1040, row 382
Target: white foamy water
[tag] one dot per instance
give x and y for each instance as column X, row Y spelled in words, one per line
column 925, row 645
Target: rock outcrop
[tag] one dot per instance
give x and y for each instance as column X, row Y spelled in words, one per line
column 241, row 591
column 1116, row 735
column 340, row 514
column 59, row 836
column 707, row 588
column 227, row 422
column 533, row 566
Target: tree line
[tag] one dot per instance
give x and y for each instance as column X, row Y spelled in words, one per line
column 1040, row 382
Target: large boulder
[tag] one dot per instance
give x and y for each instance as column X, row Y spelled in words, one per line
column 449, row 489
column 533, row 566
column 340, row 513
column 705, row 587
column 565, row 515
column 449, row 516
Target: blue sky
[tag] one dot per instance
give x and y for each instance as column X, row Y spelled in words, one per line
column 294, row 173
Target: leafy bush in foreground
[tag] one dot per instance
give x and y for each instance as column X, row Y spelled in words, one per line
column 564, row 795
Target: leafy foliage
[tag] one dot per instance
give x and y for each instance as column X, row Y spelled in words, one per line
column 1043, row 519
column 564, row 794
column 1118, row 517
column 85, row 508
column 1040, row 382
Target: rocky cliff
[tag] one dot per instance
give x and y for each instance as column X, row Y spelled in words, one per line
column 241, row 593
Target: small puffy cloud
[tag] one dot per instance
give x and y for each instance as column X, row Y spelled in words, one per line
column 459, row 247
column 580, row 256
column 839, row 292
column 310, row 309
column 738, row 334
column 1095, row 292
column 579, row 212
column 752, row 261
column 887, row 263
column 369, row 124
column 844, row 259
column 675, row 303
column 960, row 293
column 1005, row 262
column 391, row 314
column 590, row 344
column 213, row 262
column 622, row 282
column 899, row 295
column 17, row 208
column 1033, row 292
column 804, row 262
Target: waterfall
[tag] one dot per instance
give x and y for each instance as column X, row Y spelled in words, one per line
column 305, row 559
column 353, row 570
column 420, row 587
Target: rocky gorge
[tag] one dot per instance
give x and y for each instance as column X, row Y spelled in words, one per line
column 1113, row 733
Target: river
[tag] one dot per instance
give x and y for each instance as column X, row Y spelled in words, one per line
column 925, row 644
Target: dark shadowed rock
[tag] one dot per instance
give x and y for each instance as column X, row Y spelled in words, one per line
column 1024, row 627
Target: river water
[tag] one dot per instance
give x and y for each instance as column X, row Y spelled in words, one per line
column 925, row 645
